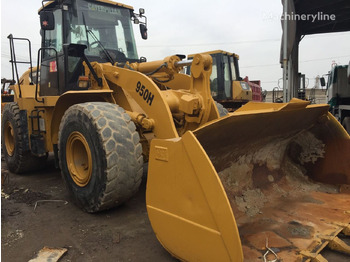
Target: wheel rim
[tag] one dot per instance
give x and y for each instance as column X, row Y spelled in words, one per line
column 9, row 138
column 79, row 160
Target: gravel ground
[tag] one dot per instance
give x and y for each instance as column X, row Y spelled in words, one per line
column 29, row 222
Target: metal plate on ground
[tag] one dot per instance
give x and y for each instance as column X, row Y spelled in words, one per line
column 47, row 254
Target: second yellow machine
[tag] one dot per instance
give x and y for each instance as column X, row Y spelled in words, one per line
column 217, row 188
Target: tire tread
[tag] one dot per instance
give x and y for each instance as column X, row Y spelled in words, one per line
column 120, row 143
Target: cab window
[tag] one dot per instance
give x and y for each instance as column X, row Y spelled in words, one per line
column 53, row 38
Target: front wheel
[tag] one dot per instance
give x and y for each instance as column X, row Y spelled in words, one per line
column 100, row 155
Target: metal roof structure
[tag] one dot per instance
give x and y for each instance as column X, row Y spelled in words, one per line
column 323, row 11
column 307, row 17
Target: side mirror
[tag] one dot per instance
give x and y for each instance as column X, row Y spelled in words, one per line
column 322, row 81
column 143, row 59
column 47, row 20
column 143, row 31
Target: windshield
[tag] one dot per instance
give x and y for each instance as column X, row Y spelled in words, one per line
column 105, row 29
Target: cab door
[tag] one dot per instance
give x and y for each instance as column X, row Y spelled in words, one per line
column 224, row 79
column 52, row 58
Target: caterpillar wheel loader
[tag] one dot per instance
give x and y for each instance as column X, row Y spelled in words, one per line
column 267, row 181
column 227, row 87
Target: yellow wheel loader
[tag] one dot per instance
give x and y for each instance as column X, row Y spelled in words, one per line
column 269, row 181
column 227, row 86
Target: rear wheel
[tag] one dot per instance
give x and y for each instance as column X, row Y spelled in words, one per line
column 346, row 124
column 17, row 157
column 100, row 155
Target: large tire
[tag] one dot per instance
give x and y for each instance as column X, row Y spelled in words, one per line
column 222, row 110
column 18, row 158
column 100, row 155
column 346, row 124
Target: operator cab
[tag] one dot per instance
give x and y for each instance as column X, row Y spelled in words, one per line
column 74, row 31
column 225, row 71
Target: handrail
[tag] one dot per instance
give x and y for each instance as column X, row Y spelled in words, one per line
column 14, row 61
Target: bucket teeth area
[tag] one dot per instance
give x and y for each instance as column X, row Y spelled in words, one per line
column 339, row 245
column 334, row 247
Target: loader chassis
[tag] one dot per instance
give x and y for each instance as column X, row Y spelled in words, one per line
column 103, row 112
column 89, row 57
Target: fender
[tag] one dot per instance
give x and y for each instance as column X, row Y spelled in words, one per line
column 75, row 97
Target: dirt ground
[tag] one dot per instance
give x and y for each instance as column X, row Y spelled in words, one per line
column 120, row 234
column 30, row 222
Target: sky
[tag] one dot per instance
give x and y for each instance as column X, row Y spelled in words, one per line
column 251, row 29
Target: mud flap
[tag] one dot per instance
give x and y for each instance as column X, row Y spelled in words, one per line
column 280, row 157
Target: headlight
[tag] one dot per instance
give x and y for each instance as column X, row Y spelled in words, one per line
column 245, row 86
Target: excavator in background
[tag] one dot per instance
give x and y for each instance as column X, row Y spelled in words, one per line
column 227, row 87
column 338, row 93
column 268, row 180
column 6, row 93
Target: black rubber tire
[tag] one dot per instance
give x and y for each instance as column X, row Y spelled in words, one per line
column 19, row 160
column 222, row 110
column 116, row 154
column 346, row 124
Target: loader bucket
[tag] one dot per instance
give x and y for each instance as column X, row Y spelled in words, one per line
column 269, row 181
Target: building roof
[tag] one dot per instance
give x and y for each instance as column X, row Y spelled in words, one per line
column 324, row 16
